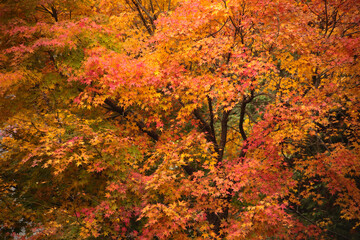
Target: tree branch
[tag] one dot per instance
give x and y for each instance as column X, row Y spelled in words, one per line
column 223, row 136
column 241, row 121
column 142, row 18
column 114, row 107
column 205, row 127
column 245, row 101
column 211, row 112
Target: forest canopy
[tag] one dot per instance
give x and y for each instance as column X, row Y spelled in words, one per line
column 179, row 119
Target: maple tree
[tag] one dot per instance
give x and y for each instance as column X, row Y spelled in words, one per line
column 199, row 119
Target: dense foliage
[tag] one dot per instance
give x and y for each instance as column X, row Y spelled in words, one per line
column 183, row 119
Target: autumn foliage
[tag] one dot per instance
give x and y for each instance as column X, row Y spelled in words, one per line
column 183, row 119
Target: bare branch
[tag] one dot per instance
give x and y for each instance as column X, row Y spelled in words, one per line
column 223, row 135
column 145, row 11
column 150, row 31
